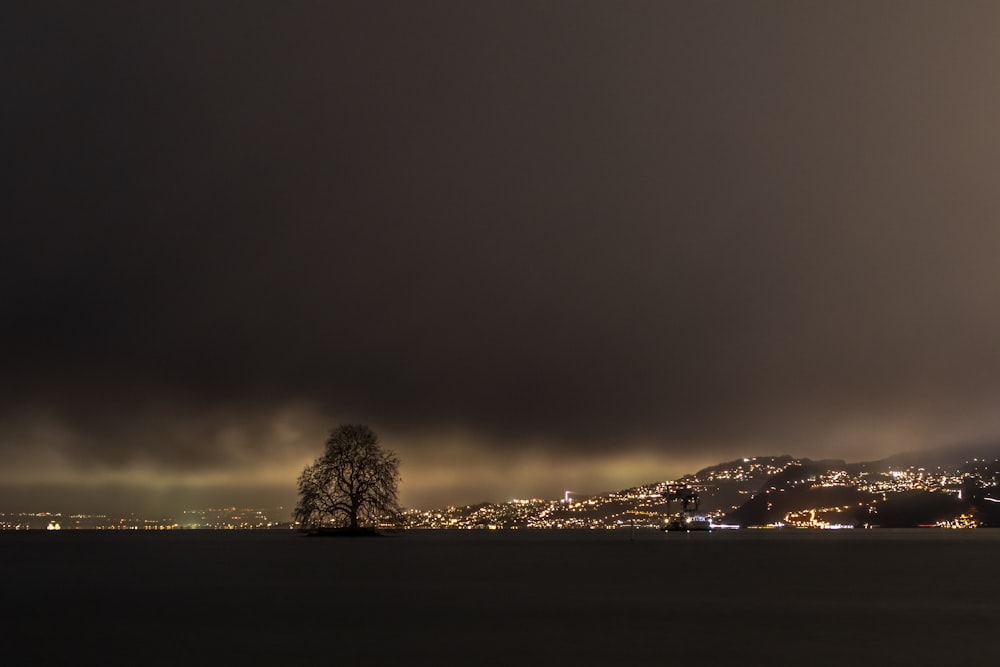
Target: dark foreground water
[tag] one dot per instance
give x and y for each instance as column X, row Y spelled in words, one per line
column 917, row 597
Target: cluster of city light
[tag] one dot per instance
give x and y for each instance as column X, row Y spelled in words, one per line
column 896, row 480
column 230, row 518
column 633, row 508
column 961, row 521
column 27, row 520
column 746, row 470
column 819, row 517
column 235, row 518
column 911, row 479
column 834, row 478
column 58, row 521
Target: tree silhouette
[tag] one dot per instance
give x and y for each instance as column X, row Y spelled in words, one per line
column 353, row 483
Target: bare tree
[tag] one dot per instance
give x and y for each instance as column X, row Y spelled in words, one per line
column 353, row 483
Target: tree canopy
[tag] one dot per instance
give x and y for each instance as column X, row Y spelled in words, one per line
column 353, row 483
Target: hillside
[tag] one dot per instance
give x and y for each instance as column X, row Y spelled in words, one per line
column 947, row 485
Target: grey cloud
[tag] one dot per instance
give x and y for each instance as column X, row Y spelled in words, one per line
column 666, row 223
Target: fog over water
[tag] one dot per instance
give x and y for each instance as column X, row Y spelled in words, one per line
column 916, row 597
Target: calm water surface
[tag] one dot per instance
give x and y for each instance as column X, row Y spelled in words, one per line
column 914, row 597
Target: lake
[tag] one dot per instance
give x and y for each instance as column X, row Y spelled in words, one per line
column 915, row 597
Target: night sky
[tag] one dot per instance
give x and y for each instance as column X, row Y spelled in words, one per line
column 535, row 245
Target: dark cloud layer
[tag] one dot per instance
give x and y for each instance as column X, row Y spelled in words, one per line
column 585, row 228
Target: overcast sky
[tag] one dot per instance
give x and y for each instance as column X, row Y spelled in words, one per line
column 537, row 246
